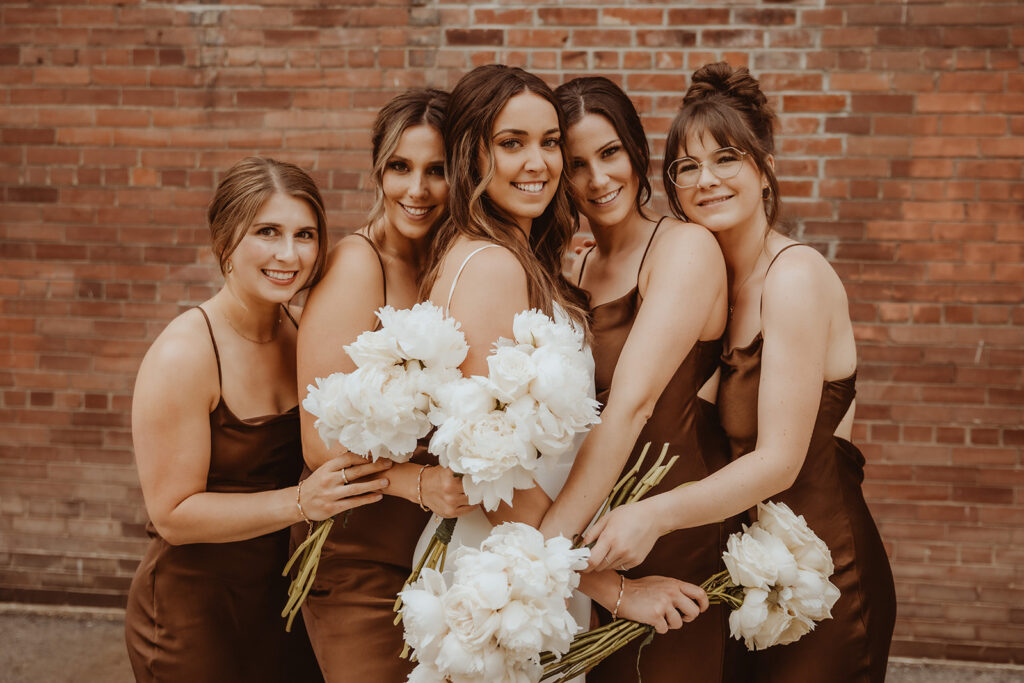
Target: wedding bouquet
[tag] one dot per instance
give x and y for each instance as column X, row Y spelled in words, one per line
column 775, row 582
column 506, row 604
column 495, row 431
column 381, row 408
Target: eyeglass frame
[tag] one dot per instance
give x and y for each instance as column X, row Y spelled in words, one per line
column 705, row 164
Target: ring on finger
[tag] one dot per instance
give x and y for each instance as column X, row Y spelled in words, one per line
column 344, row 477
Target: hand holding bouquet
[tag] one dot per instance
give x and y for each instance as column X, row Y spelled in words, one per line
column 381, row 408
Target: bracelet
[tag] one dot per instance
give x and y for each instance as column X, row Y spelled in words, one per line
column 419, row 489
column 298, row 504
column 618, row 602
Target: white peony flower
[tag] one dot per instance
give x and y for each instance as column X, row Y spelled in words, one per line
column 811, row 596
column 426, row 334
column 469, row 617
column 519, row 630
column 747, row 562
column 425, row 674
column 778, row 556
column 423, row 613
column 510, row 370
column 462, row 398
column 745, row 620
column 809, row 550
column 375, row 347
column 486, row 573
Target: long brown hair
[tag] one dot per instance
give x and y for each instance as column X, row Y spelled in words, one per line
column 415, row 107
column 476, row 101
column 599, row 95
column 241, row 193
column 728, row 104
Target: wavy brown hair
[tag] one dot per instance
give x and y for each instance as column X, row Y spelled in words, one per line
column 728, row 104
column 599, row 95
column 241, row 193
column 476, row 101
column 416, row 107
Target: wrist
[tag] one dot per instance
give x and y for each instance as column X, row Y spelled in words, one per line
column 602, row 587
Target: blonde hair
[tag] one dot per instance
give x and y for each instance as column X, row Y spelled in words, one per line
column 241, row 193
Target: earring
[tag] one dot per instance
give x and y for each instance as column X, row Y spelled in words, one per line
column 228, row 267
column 766, row 192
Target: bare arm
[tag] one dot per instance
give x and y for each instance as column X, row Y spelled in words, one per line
column 686, row 265
column 340, row 308
column 175, row 391
column 796, row 325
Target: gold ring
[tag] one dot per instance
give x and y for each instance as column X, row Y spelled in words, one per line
column 344, row 477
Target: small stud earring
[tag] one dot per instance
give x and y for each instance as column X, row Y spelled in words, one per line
column 766, row 192
column 228, row 267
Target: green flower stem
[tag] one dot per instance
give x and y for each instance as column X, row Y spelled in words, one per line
column 307, row 554
column 721, row 590
column 589, row 649
column 433, row 557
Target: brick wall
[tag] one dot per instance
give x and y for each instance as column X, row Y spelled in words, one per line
column 900, row 156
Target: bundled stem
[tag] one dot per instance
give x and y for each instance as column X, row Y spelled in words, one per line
column 433, row 558
column 307, row 554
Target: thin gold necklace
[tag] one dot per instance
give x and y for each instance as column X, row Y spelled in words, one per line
column 273, row 333
column 739, row 290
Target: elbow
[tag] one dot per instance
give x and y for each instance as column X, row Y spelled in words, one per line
column 168, row 532
column 636, row 411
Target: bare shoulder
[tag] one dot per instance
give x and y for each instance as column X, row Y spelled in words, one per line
column 680, row 242
column 802, row 276
column 351, row 259
column 183, row 356
column 494, row 264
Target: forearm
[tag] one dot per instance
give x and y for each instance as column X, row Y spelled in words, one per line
column 403, row 479
column 528, row 506
column 735, row 488
column 595, row 470
column 209, row 517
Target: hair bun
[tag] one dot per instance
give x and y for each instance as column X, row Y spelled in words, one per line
column 737, row 86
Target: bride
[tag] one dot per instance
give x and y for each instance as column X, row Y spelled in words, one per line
column 501, row 250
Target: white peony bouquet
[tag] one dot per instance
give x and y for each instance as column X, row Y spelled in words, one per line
column 783, row 569
column 506, row 604
column 496, row 431
column 381, row 408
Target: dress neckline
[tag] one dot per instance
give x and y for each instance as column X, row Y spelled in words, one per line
column 258, row 420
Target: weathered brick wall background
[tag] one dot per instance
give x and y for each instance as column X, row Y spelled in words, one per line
column 900, row 152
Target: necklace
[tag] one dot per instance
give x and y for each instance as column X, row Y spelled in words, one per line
column 739, row 290
column 273, row 333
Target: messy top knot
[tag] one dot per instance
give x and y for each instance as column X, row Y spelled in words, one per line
column 729, row 105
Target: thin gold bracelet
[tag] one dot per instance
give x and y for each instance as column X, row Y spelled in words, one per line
column 298, row 504
column 622, row 586
column 419, row 489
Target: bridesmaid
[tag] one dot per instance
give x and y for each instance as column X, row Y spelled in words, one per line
column 215, row 427
column 787, row 386
column 349, row 611
column 652, row 357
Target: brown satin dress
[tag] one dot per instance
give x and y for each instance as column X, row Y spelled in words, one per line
column 365, row 561
column 854, row 644
column 211, row 612
column 700, row 651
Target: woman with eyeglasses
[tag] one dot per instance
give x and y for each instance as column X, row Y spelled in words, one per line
column 786, row 393
column 652, row 356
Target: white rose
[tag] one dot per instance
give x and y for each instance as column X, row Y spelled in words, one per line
column 510, row 370
column 808, row 549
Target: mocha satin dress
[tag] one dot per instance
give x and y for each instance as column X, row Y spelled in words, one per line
column 854, row 644
column 700, row 651
column 203, row 612
column 364, row 563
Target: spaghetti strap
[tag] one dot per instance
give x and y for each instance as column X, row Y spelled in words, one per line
column 213, row 340
column 579, row 280
column 648, row 248
column 458, row 274
column 290, row 316
column 772, row 263
column 380, row 260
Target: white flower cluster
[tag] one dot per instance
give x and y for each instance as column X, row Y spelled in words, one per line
column 784, row 568
column 380, row 409
column 506, row 605
column 533, row 402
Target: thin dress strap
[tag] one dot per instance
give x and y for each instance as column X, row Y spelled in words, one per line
column 213, row 340
column 648, row 248
column 380, row 260
column 579, row 280
column 458, row 274
column 290, row 316
column 772, row 263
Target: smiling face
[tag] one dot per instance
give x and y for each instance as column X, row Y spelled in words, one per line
column 277, row 255
column 721, row 204
column 413, row 183
column 604, row 185
column 526, row 144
